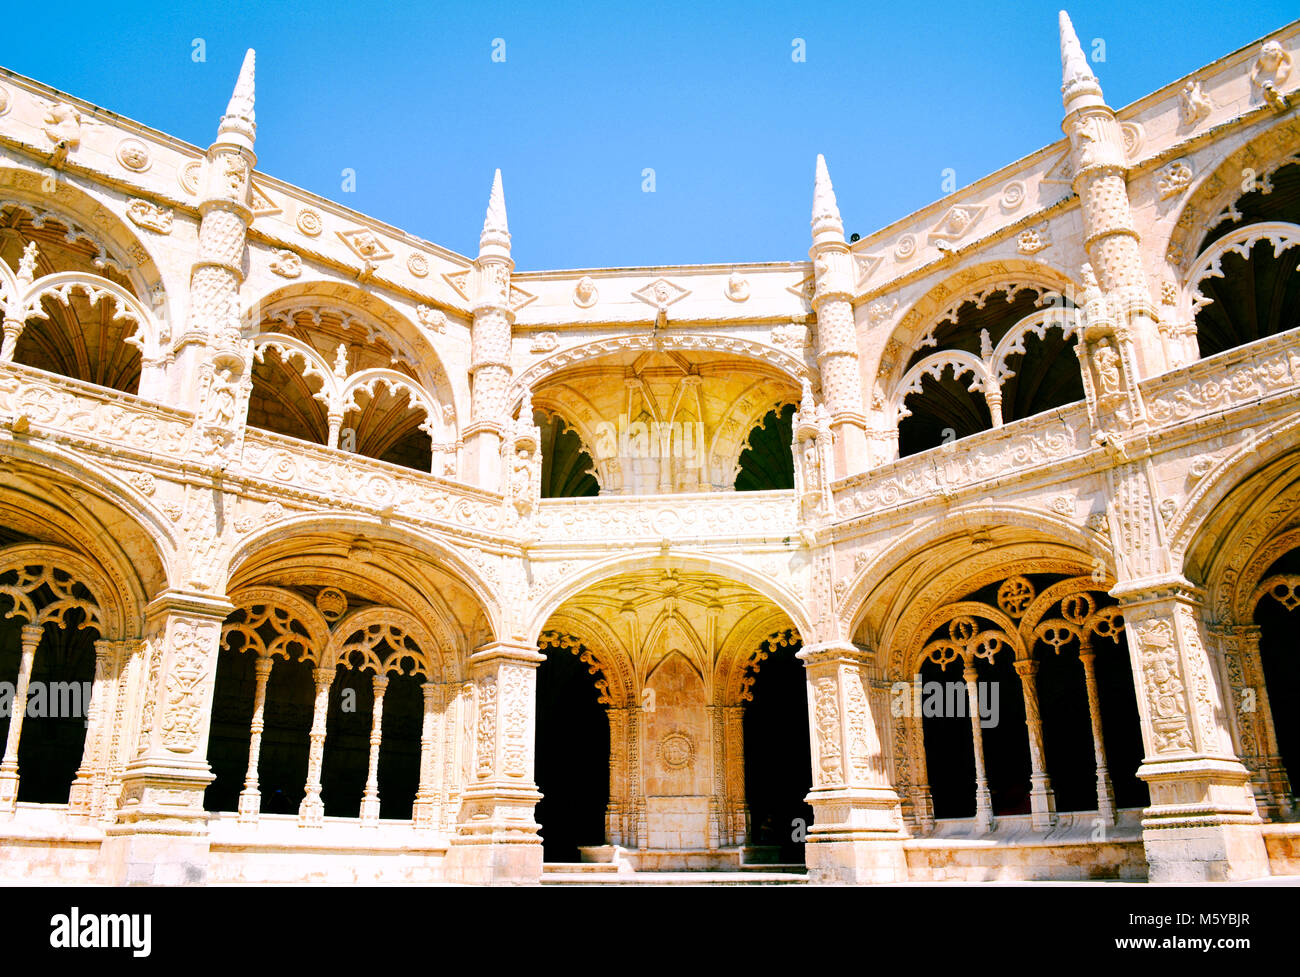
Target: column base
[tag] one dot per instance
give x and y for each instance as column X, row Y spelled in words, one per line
column 856, row 838
column 160, row 835
column 1202, row 825
column 496, row 841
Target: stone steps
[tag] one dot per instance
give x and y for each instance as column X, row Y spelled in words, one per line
column 604, row 873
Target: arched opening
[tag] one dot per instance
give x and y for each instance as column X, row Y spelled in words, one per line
column 1050, row 668
column 767, row 462
column 572, row 760
column 1276, row 617
column 1258, row 293
column 58, row 703
column 74, row 336
column 373, row 392
column 566, row 465
column 778, row 761
column 1028, row 362
column 663, row 421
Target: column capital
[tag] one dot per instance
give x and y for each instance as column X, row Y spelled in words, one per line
column 513, row 652
column 835, row 653
column 1156, row 589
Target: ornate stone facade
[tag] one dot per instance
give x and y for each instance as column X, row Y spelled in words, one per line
column 324, row 518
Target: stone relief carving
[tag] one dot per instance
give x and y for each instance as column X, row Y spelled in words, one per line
column 1269, row 73
column 286, row 264
column 1194, row 106
column 309, row 222
column 133, row 155
column 150, row 216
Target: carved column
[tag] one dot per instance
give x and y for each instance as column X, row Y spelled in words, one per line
column 250, row 798
column 857, row 831
column 1105, row 793
column 616, row 810
column 922, row 800
column 212, row 362
column 160, row 835
column 837, row 340
column 1100, row 165
column 425, row 810
column 85, row 799
column 1042, row 800
column 738, row 813
column 1253, row 713
column 496, row 838
column 983, row 797
column 490, row 347
column 1202, row 824
column 370, row 797
column 31, row 637
column 311, row 813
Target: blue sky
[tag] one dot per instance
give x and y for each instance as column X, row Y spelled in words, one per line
column 591, row 94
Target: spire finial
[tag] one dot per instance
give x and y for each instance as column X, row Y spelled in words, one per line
column 496, row 232
column 1076, row 76
column 239, row 118
column 825, row 211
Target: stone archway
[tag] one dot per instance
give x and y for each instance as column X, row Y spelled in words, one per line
column 671, row 657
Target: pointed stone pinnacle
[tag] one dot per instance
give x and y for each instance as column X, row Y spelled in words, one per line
column 826, row 223
column 1076, row 75
column 824, row 204
column 496, row 209
column 241, row 101
column 495, row 238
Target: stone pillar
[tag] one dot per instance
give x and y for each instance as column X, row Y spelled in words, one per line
column 738, row 813
column 497, row 840
column 370, row 798
column 211, row 361
column 837, row 339
column 857, row 830
column 425, row 810
column 1202, row 824
column 85, row 799
column 1042, row 800
column 1100, row 165
column 311, row 812
column 250, row 798
column 1254, row 714
column 490, row 347
column 31, row 637
column 1105, row 793
column 922, row 799
column 983, row 797
column 616, row 809
column 160, row 835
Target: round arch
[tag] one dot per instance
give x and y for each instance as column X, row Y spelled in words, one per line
column 552, row 600
column 957, row 528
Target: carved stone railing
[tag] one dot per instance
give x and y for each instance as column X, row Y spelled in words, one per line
column 979, row 460
column 751, row 516
column 312, row 472
column 75, row 411
column 122, row 426
column 1264, row 368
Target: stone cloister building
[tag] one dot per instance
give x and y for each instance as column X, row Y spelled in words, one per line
column 969, row 549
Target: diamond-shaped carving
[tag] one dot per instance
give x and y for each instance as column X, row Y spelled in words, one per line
column 1061, row 171
column 365, row 244
column 519, row 298
column 263, row 206
column 865, row 264
column 956, row 223
column 661, row 293
column 459, row 280
column 804, row 289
